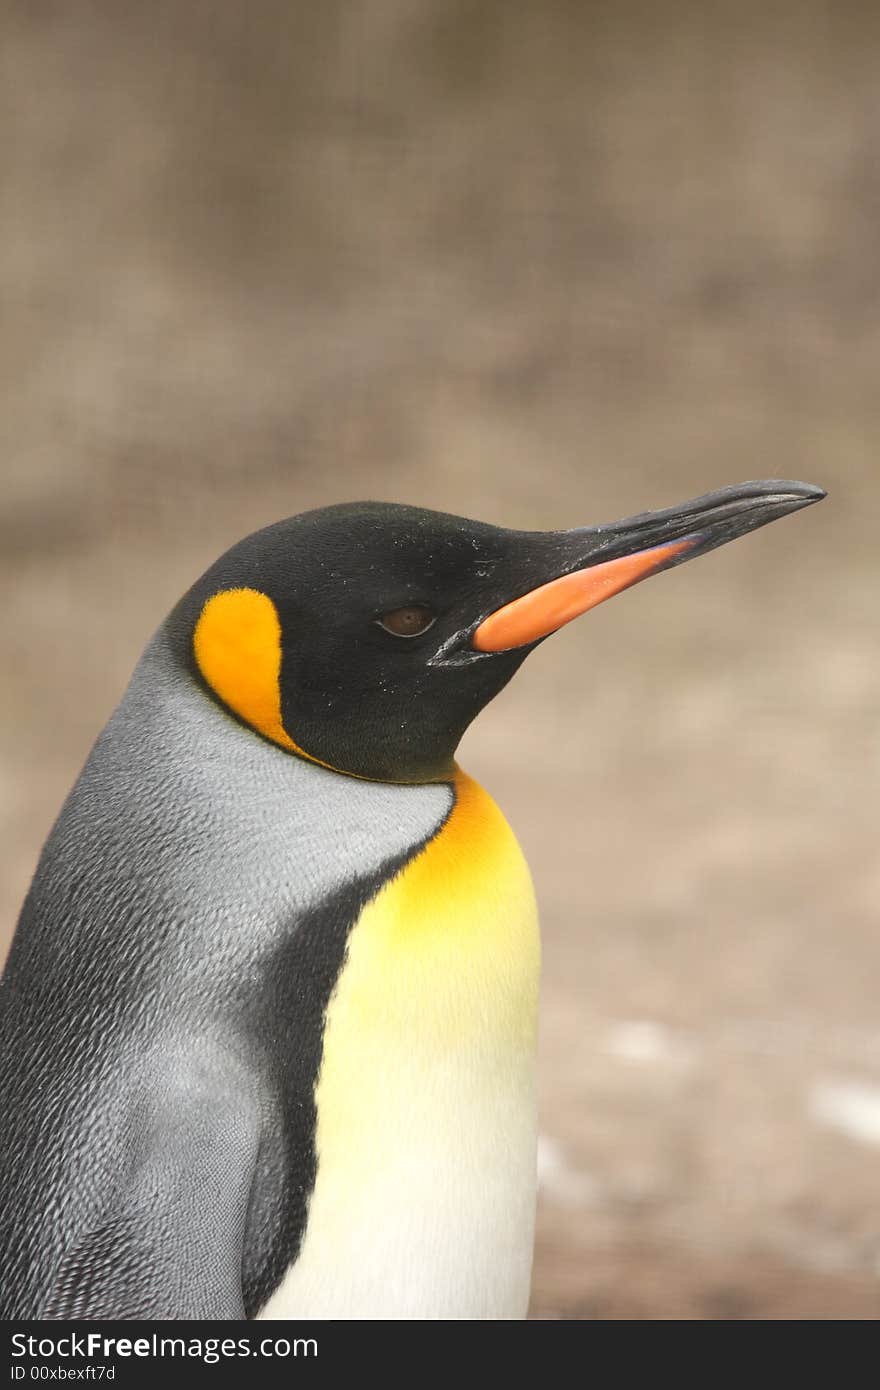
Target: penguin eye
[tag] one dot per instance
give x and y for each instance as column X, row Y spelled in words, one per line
column 411, row 621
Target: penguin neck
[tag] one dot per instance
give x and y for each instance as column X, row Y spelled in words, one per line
column 165, row 693
column 223, row 816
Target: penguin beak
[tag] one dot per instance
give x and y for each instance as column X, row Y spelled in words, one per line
column 594, row 563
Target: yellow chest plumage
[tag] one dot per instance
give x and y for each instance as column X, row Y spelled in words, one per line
column 424, row 1200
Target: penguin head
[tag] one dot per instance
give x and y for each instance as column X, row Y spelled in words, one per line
column 366, row 637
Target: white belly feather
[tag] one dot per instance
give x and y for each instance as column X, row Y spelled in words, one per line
column 424, row 1200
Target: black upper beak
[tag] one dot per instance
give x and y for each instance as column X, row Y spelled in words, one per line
column 712, row 520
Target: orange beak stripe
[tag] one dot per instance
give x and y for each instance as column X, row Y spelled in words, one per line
column 552, row 605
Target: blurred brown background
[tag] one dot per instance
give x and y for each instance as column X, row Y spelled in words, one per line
column 544, row 264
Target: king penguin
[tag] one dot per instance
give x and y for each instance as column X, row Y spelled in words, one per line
column 268, row 1029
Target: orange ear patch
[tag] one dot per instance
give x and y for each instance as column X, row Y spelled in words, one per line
column 237, row 645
